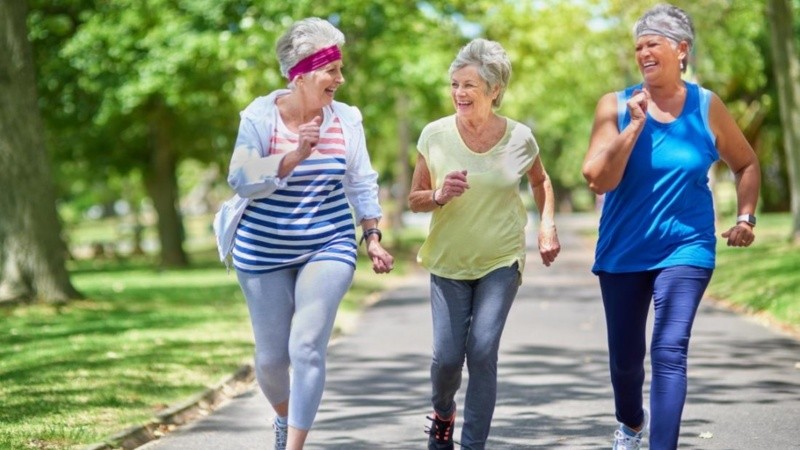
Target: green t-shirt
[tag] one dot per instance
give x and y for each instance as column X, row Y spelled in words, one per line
column 484, row 229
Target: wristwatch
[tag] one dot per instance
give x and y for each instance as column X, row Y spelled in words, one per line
column 749, row 218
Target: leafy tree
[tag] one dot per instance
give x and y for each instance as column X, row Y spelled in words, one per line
column 135, row 87
column 32, row 253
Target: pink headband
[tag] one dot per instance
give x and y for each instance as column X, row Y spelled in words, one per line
column 315, row 61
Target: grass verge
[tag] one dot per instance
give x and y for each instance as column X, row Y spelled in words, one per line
column 141, row 341
column 763, row 279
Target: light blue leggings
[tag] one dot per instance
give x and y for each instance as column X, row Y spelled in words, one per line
column 292, row 313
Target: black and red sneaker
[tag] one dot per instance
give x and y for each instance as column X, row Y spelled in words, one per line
column 440, row 433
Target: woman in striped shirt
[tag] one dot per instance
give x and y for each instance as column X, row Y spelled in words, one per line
column 301, row 162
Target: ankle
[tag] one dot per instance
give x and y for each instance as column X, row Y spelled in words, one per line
column 444, row 418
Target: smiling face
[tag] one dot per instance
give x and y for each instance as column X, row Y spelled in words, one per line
column 319, row 87
column 659, row 57
column 470, row 93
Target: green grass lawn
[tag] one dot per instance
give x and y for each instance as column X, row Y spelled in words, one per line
column 142, row 340
column 764, row 278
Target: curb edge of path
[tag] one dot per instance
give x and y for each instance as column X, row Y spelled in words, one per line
column 182, row 413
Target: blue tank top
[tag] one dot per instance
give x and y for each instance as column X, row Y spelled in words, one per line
column 662, row 214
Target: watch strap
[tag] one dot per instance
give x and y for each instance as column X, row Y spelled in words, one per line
column 748, row 218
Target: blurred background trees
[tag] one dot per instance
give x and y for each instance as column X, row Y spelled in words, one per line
column 140, row 98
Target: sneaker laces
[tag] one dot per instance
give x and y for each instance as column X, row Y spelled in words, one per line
column 281, row 435
column 441, row 429
column 623, row 441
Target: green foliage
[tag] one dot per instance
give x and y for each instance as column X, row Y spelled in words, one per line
column 105, row 69
column 561, row 68
column 134, row 57
column 109, row 72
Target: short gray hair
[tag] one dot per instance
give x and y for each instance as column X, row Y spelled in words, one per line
column 668, row 21
column 492, row 63
column 303, row 38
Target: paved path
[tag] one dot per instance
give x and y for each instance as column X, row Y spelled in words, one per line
column 744, row 387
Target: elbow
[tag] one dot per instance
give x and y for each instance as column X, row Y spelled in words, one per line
column 754, row 168
column 597, row 184
column 239, row 187
column 598, row 190
column 592, row 182
column 598, row 187
column 414, row 203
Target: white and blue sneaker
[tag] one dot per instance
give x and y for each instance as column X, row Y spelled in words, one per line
column 627, row 439
column 281, row 434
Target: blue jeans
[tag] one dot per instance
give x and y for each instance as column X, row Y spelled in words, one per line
column 676, row 293
column 468, row 321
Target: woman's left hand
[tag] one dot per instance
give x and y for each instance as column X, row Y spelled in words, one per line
column 549, row 247
column 740, row 235
column 382, row 261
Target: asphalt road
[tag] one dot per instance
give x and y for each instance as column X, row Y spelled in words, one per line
column 554, row 391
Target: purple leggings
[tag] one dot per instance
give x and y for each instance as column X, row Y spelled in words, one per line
column 676, row 293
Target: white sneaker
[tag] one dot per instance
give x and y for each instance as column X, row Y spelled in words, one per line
column 623, row 441
column 281, row 434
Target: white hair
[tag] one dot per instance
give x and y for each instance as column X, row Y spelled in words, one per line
column 303, row 38
column 492, row 63
column 668, row 21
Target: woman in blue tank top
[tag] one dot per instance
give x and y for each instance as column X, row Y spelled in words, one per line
column 651, row 148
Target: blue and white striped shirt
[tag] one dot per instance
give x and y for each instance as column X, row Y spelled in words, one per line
column 307, row 219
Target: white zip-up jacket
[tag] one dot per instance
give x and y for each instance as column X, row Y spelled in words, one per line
column 253, row 173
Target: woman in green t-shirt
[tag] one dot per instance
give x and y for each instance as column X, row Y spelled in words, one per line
column 468, row 173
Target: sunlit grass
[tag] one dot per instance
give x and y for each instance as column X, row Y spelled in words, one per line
column 144, row 339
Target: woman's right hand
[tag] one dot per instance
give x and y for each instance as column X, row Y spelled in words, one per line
column 637, row 105
column 454, row 185
column 382, row 261
column 308, row 137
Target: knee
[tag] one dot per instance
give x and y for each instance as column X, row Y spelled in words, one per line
column 482, row 359
column 669, row 357
column 627, row 359
column 271, row 363
column 447, row 367
column 627, row 372
column 304, row 354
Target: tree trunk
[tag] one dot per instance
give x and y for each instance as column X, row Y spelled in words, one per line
column 32, row 251
column 161, row 182
column 787, row 77
column 403, row 173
